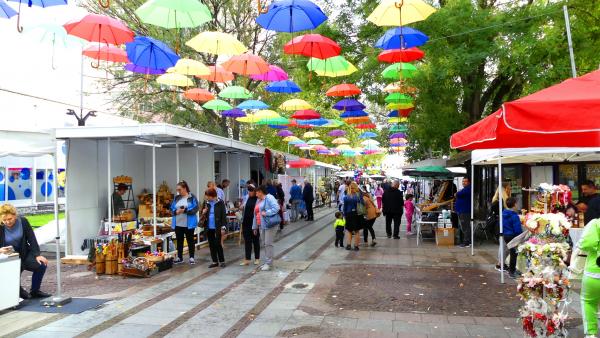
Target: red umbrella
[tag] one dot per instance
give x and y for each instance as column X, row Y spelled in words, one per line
column 301, row 163
column 217, row 74
column 294, row 124
column 343, row 89
column 246, row 64
column 100, row 28
column 401, row 55
column 106, row 53
column 313, row 45
column 366, row 126
column 199, row 95
column 308, row 114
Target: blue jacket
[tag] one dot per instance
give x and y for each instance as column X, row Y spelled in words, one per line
column 511, row 223
column 272, row 190
column 351, row 203
column 191, row 211
column 269, row 205
column 296, row 193
column 463, row 201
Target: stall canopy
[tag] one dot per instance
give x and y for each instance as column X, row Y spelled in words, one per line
column 26, row 143
column 564, row 115
column 534, row 155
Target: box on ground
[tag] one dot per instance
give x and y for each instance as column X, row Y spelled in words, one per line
column 444, row 237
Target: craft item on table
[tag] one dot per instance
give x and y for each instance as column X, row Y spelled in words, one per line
column 164, row 197
column 139, row 267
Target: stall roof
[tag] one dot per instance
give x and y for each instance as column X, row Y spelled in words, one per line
column 27, row 143
column 534, row 155
column 426, row 163
column 165, row 134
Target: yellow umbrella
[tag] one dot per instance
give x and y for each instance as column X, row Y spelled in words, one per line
column 310, row 134
column 397, row 119
column 248, row 119
column 399, row 87
column 267, row 114
column 217, row 43
column 295, row 104
column 189, row 67
column 290, row 138
column 400, row 12
column 340, row 140
column 175, row 79
column 344, row 147
column 396, row 106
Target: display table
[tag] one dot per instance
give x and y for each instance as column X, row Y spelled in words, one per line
column 10, row 270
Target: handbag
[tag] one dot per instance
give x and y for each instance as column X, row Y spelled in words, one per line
column 269, row 222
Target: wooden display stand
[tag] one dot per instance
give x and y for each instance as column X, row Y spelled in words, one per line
column 444, row 236
column 164, row 198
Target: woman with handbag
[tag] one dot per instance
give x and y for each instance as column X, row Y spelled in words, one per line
column 354, row 211
column 215, row 218
column 590, row 285
column 266, row 221
column 370, row 218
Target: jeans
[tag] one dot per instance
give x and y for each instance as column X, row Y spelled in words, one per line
column 295, row 211
column 268, row 236
column 396, row 218
column 188, row 234
column 369, row 229
column 251, row 241
column 214, row 243
column 465, row 227
column 339, row 236
column 512, row 261
column 31, row 264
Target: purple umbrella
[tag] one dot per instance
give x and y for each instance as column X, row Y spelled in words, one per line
column 349, row 104
column 235, row 112
column 353, row 113
column 143, row 70
column 337, row 133
column 324, row 152
column 285, row 133
column 274, row 74
column 398, row 135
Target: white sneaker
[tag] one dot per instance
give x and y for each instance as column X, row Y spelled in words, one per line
column 266, row 267
column 177, row 261
column 192, row 261
column 257, row 262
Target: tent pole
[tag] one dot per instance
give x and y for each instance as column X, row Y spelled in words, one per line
column 227, row 197
column 198, row 183
column 154, row 185
column 239, row 176
column 34, row 178
column 108, row 187
column 500, row 221
column 472, row 208
column 177, row 160
column 569, row 41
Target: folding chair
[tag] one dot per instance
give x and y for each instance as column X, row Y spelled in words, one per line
column 420, row 222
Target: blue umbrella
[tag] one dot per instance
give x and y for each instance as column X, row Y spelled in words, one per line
column 393, row 113
column 29, row 3
column 6, row 11
column 253, row 104
column 349, row 104
column 147, row 52
column 286, row 86
column 401, row 37
column 353, row 113
column 235, row 112
column 367, row 134
column 277, row 126
column 315, row 122
column 290, row 16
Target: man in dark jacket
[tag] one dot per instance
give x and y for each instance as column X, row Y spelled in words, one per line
column 463, row 209
column 591, row 199
column 393, row 208
column 308, row 195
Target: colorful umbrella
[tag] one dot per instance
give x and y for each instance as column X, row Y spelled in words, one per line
column 285, row 133
column 357, row 120
column 198, row 95
column 400, row 70
column 295, row 104
column 343, row 147
column 332, row 67
column 151, row 53
column 190, row 67
column 340, row 140
column 310, row 134
column 274, row 74
column 6, row 11
column 399, row 87
column 399, row 128
column 401, row 37
column 40, row 3
column 366, row 126
column 367, row 134
column 319, row 147
column 398, row 13
column 401, row 55
column 267, row 114
column 296, row 141
column 277, row 126
column 216, row 43
column 246, row 64
column 333, row 123
column 233, row 113
column 174, row 13
column 313, row 123
column 102, row 29
column 253, row 104
column 398, row 120
column 290, row 16
column 343, row 89
column 398, row 98
column 217, row 105
column 336, row 133
column 301, row 163
column 50, row 33
column 303, row 146
column 349, row 104
column 313, row 45
column 175, row 79
column 294, row 124
column 276, row 121
column 307, row 114
column 217, row 74
column 248, row 119
column 369, row 143
column 315, row 142
column 143, row 70
column 399, row 106
column 290, row 138
column 106, row 53
column 398, row 135
column 353, row 113
column 235, row 92
column 285, row 86
column 398, row 140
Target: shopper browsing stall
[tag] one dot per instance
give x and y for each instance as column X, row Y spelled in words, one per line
column 393, row 208
column 184, row 208
column 295, row 200
column 266, row 220
column 511, row 229
column 463, row 209
column 590, row 289
column 251, row 239
column 214, row 218
column 118, row 204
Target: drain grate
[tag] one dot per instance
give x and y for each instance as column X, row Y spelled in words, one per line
column 300, row 286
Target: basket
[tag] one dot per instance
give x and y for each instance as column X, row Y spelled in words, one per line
column 155, row 259
column 100, row 264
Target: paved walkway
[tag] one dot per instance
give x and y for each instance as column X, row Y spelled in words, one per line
column 297, row 299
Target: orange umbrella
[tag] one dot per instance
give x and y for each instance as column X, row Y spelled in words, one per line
column 217, row 74
column 343, row 89
column 357, row 120
column 246, row 64
column 199, row 95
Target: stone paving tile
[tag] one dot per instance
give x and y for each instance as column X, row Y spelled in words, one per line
column 487, row 331
column 409, row 317
column 375, row 324
column 449, row 329
column 339, row 322
column 129, row 330
column 382, row 315
column 264, row 327
column 461, row 320
column 356, row 314
column 412, row 328
column 48, row 334
column 435, row 319
column 497, row 321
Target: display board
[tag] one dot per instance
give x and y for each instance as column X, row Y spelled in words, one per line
column 286, row 183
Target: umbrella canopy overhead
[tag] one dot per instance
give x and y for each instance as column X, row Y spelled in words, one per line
column 276, row 121
column 315, row 142
column 349, row 104
column 253, row 104
column 353, row 113
column 398, row 120
column 313, row 122
column 333, row 123
column 307, row 114
column 216, row 43
column 217, row 74
column 337, row 133
column 295, row 104
column 301, row 163
column 370, row 143
column 274, row 74
column 332, row 67
column 399, row 128
column 246, row 64
column 100, row 28
column 400, row 70
column 313, row 45
column 310, row 134
column 290, row 138
column 398, row 98
column 174, row 13
column 343, row 89
column 6, row 11
column 400, row 106
column 285, row 133
column 233, row 113
column 367, row 134
column 340, row 140
column 217, row 105
column 401, row 37
column 357, row 120
column 398, row 135
column 398, row 13
column 190, row 67
column 401, row 55
column 267, row 114
column 151, row 53
column 366, row 126
column 235, row 92
column 288, row 16
column 249, row 118
column 143, row 70
column 399, row 87
column 198, row 95
column 175, row 79
column 285, row 86
column 106, row 53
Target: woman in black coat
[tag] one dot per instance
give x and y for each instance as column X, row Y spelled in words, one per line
column 214, row 219
column 251, row 240
column 16, row 231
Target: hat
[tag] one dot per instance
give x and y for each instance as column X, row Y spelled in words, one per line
column 250, row 187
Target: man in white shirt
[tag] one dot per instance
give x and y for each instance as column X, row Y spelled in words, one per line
column 341, row 195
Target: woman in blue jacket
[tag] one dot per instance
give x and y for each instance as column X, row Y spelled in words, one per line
column 184, row 209
column 266, row 208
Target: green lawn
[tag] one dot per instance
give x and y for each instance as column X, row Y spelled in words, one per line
column 37, row 221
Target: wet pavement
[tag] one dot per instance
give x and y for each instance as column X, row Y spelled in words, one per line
column 395, row 289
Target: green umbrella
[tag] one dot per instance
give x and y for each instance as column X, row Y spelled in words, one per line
column 430, row 171
column 399, row 128
column 217, row 105
column 277, row 121
column 333, row 124
column 398, row 71
column 315, row 142
column 398, row 98
column 235, row 92
column 174, row 13
column 331, row 67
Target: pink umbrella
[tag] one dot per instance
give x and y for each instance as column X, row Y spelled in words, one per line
column 285, row 133
column 274, row 74
column 337, row 133
column 320, row 147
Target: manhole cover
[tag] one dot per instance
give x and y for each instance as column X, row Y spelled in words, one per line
column 300, row 286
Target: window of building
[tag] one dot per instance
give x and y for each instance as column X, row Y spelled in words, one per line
column 592, row 172
column 19, row 184
column 568, row 175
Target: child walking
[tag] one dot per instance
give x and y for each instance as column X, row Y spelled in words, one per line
column 409, row 207
column 339, row 225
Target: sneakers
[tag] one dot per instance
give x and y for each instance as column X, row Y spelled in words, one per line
column 465, row 245
column 213, row 265
column 222, row 265
column 257, row 262
column 373, row 243
column 245, row 262
column 177, row 260
column 512, row 275
column 266, row 267
column 497, row 268
column 192, row 261
column 348, row 247
column 396, row 237
column 409, row 233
